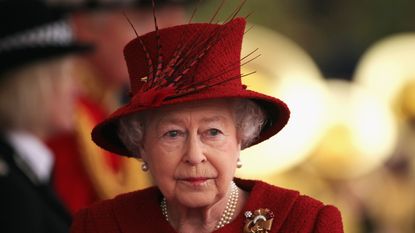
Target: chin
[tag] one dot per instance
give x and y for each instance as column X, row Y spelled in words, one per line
column 197, row 199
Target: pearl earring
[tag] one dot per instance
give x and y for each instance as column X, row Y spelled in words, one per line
column 144, row 166
column 239, row 163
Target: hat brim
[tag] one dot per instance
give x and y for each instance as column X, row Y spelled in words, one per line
column 15, row 58
column 105, row 133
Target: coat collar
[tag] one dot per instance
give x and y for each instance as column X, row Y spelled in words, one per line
column 31, row 151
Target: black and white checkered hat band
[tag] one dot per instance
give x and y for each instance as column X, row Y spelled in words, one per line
column 54, row 34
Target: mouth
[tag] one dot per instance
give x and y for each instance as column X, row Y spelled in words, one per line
column 196, row 181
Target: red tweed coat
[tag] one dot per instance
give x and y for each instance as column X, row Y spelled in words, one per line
column 140, row 212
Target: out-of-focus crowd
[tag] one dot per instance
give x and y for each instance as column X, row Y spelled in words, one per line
column 62, row 71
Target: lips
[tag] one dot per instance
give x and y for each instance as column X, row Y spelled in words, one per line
column 196, row 179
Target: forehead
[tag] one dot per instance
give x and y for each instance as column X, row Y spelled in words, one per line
column 208, row 110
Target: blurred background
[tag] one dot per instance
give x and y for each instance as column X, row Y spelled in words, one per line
column 346, row 69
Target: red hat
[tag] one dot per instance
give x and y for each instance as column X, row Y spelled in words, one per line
column 187, row 63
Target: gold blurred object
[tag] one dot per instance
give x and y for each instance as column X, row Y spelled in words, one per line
column 362, row 133
column 286, row 71
column 388, row 67
column 336, row 152
column 388, row 200
column 388, row 70
column 405, row 101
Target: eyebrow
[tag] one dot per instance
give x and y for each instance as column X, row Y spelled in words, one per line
column 177, row 120
column 171, row 120
column 212, row 119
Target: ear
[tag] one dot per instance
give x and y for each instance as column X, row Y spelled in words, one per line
column 238, row 137
column 142, row 153
column 239, row 142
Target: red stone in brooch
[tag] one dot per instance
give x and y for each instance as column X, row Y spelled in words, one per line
column 260, row 221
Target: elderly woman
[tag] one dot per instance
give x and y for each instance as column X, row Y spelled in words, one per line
column 188, row 119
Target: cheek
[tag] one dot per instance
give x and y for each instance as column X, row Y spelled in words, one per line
column 225, row 166
column 62, row 107
column 224, row 159
column 162, row 164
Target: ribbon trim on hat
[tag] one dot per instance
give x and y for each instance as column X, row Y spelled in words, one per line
column 153, row 97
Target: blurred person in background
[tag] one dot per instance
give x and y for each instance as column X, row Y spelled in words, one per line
column 37, row 96
column 84, row 173
column 396, row 178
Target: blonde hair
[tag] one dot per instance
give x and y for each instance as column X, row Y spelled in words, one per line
column 26, row 94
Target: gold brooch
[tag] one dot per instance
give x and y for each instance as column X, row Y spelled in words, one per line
column 258, row 222
column 144, row 79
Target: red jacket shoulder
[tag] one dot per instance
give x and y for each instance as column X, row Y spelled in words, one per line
column 309, row 213
column 104, row 216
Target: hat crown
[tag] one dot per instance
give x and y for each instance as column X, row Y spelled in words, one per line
column 185, row 59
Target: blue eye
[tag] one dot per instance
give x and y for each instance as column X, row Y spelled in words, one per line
column 173, row 133
column 214, row 132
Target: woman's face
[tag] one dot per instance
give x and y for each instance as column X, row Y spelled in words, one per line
column 63, row 96
column 192, row 150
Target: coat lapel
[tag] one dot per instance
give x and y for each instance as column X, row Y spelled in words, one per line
column 141, row 213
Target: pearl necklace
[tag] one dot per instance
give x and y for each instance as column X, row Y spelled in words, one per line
column 227, row 213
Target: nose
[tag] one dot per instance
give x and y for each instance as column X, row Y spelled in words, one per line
column 194, row 153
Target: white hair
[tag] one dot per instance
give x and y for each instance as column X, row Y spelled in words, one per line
column 249, row 120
